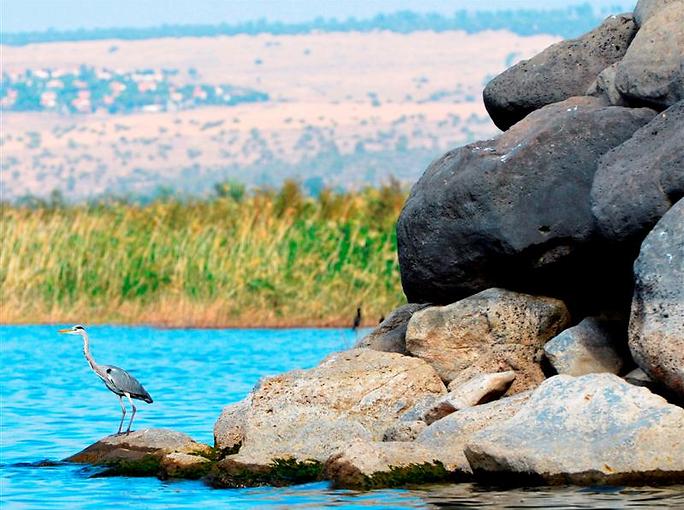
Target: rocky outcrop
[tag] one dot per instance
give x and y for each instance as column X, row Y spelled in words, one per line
column 450, row 435
column 307, row 415
column 147, row 452
column 390, row 335
column 588, row 348
column 652, row 70
column 556, row 206
column 515, row 211
column 584, row 430
column 638, row 181
column 656, row 326
column 495, row 330
column 544, row 79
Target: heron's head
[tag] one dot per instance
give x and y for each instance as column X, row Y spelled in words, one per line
column 74, row 330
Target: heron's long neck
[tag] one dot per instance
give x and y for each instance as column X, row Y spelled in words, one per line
column 86, row 352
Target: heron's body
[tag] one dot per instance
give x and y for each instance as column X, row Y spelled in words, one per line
column 117, row 380
column 121, row 382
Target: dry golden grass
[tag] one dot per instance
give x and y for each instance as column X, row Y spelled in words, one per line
column 267, row 259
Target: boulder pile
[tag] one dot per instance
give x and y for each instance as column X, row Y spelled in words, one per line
column 544, row 339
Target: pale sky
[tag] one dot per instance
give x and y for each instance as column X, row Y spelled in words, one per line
column 39, row 15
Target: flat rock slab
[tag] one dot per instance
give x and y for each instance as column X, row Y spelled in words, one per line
column 592, row 429
column 141, row 452
column 136, row 444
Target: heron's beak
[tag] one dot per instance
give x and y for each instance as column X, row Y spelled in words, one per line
column 64, row 331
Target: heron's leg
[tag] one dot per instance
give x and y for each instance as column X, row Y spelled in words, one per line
column 128, row 395
column 123, row 414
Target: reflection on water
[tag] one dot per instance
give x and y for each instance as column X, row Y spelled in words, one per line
column 53, row 406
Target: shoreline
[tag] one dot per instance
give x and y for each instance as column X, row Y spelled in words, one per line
column 334, row 323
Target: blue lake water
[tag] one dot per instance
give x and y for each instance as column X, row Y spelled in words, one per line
column 54, row 406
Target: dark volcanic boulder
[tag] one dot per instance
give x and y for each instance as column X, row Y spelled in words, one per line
column 561, row 71
column 514, row 211
column 637, row 182
column 652, row 71
column 656, row 327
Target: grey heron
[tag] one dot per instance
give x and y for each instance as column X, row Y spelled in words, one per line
column 116, row 379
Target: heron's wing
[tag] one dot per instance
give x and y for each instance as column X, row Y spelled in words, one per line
column 126, row 383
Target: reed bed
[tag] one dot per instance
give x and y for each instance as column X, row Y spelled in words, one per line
column 260, row 259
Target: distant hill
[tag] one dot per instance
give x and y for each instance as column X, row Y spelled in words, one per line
column 569, row 22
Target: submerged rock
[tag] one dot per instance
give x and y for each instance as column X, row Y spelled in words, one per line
column 390, row 335
column 638, row 181
column 652, row 71
column 515, row 211
column 142, row 453
column 590, row 347
column 546, row 79
column 585, row 430
column 495, row 330
column 656, row 326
